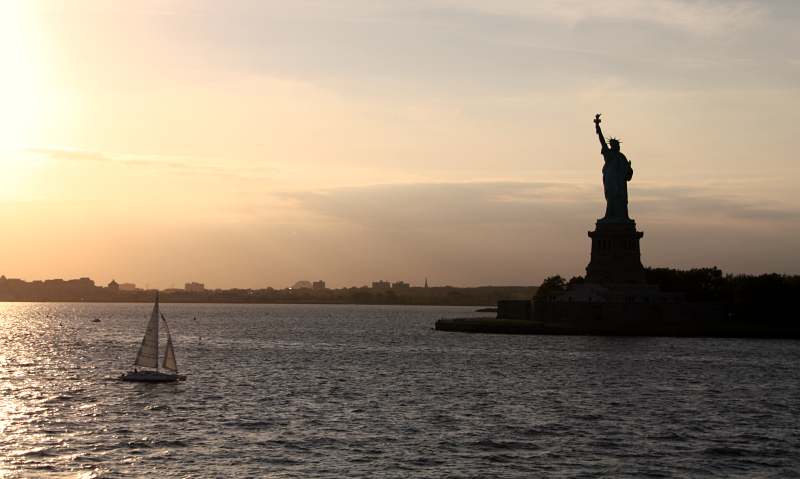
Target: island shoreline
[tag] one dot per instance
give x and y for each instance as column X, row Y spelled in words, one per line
column 703, row 329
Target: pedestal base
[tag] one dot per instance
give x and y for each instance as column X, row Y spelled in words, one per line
column 616, row 258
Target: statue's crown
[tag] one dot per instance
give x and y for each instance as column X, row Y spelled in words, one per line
column 614, row 140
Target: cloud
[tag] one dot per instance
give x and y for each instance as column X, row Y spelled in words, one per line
column 510, row 231
column 142, row 161
column 70, row 155
column 443, row 204
column 696, row 17
column 129, row 160
column 449, row 48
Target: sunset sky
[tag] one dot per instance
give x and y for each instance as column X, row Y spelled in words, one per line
column 254, row 143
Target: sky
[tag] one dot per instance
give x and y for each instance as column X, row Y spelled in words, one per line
column 255, row 143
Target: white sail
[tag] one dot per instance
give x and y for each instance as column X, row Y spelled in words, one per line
column 147, row 356
column 169, row 356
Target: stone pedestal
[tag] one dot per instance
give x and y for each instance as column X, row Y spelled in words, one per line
column 616, row 258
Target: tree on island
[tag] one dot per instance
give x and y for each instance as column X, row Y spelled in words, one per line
column 556, row 284
column 550, row 285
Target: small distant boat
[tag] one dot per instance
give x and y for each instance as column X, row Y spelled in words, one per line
column 147, row 357
column 96, row 320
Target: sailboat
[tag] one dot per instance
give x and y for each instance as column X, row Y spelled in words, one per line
column 147, row 357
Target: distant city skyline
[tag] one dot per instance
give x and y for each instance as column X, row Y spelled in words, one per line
column 87, row 290
column 252, row 143
column 196, row 287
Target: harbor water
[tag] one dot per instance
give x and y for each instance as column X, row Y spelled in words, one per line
column 372, row 391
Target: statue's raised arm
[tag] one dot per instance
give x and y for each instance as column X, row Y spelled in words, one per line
column 600, row 132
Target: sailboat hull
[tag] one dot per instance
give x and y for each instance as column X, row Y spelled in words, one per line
column 151, row 377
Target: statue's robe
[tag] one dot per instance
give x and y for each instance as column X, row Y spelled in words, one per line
column 617, row 172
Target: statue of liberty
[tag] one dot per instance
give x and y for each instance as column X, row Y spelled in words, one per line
column 617, row 172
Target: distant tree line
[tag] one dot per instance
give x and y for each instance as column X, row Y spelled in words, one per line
column 770, row 298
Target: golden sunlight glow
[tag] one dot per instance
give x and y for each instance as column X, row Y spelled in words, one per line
column 20, row 98
column 22, row 95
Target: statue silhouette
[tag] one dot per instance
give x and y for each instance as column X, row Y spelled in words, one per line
column 617, row 172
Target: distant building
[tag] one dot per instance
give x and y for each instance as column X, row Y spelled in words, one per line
column 194, row 287
column 113, row 286
column 381, row 284
column 400, row 285
column 426, row 282
column 302, row 285
column 127, row 287
column 318, row 284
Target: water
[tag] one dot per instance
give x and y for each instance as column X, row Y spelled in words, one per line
column 372, row 391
